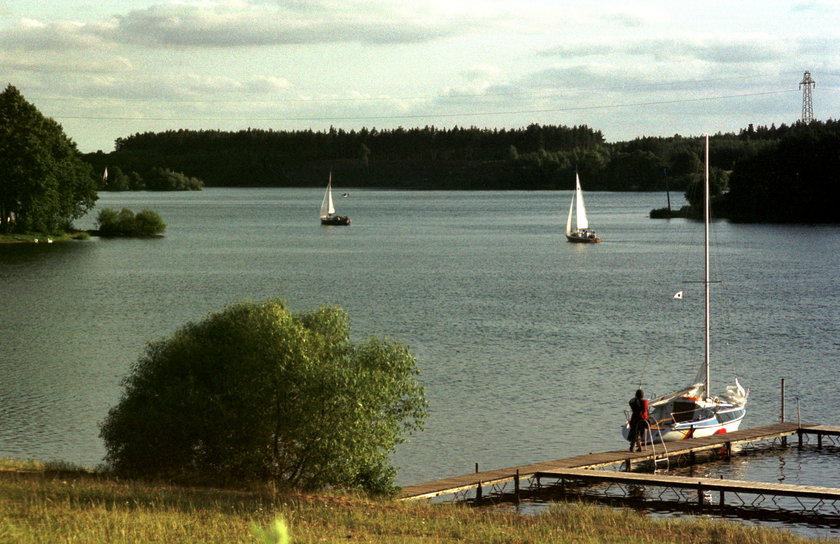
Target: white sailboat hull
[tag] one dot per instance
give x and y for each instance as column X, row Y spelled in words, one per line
column 727, row 420
column 580, row 237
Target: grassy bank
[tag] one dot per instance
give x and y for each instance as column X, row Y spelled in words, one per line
column 39, row 238
column 52, row 504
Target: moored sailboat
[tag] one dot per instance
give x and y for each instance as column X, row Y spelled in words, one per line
column 328, row 215
column 693, row 412
column 577, row 213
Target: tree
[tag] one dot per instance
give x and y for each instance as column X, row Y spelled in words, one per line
column 44, row 183
column 256, row 393
column 125, row 223
column 164, row 179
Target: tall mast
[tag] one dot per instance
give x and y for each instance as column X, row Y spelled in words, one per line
column 706, row 216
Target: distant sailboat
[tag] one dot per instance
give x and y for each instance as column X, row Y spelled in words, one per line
column 328, row 216
column 577, row 212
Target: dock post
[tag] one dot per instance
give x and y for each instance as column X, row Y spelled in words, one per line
column 728, row 449
column 800, row 433
column 516, row 486
column 700, row 493
column 782, row 412
column 819, row 441
column 478, row 492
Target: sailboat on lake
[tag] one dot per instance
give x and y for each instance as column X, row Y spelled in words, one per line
column 692, row 412
column 577, row 216
column 328, row 216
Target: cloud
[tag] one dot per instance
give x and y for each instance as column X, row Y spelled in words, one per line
column 54, row 63
column 816, row 6
column 225, row 24
column 31, row 35
column 742, row 49
column 237, row 23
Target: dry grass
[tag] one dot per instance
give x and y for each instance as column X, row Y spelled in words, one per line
column 64, row 505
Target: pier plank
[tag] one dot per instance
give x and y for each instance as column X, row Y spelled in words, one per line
column 707, row 484
column 590, row 461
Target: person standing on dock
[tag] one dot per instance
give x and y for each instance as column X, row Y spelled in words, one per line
column 638, row 420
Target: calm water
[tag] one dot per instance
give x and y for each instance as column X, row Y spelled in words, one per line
column 529, row 346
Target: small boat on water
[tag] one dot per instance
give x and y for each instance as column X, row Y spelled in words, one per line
column 581, row 232
column 693, row 412
column 328, row 215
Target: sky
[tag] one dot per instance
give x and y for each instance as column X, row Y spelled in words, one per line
column 108, row 69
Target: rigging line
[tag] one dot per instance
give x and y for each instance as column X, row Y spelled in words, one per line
column 428, row 115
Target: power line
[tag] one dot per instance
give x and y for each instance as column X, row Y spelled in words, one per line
column 484, row 94
column 428, row 115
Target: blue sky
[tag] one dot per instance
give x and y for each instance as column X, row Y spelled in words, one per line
column 109, row 69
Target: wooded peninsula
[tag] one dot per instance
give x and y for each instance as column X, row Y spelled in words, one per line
column 777, row 174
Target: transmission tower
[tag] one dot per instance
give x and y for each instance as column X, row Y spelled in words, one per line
column 807, row 106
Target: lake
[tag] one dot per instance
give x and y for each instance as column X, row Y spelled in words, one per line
column 530, row 347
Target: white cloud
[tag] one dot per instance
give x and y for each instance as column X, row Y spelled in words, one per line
column 713, row 49
column 51, row 62
column 224, row 24
column 33, row 35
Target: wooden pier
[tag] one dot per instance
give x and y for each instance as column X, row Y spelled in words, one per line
column 580, row 467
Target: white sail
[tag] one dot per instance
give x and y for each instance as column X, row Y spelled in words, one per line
column 569, row 220
column 327, row 208
column 582, row 222
column 577, row 210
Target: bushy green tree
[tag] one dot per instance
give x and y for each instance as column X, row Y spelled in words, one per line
column 44, row 183
column 256, row 393
column 148, row 223
column 125, row 223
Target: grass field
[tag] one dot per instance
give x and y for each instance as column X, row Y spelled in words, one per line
column 55, row 504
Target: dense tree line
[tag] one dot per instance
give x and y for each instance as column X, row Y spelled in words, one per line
column 536, row 157
column 427, row 157
column 797, row 179
column 44, row 182
column 156, row 179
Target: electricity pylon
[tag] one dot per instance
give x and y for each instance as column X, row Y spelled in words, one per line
column 807, row 106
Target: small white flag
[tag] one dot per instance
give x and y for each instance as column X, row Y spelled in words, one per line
column 679, row 295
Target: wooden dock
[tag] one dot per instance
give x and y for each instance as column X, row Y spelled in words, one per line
column 480, row 480
column 700, row 485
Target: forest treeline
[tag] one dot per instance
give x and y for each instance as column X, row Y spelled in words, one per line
column 757, row 169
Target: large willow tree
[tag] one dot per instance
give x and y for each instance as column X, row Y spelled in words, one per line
column 44, row 183
column 258, row 393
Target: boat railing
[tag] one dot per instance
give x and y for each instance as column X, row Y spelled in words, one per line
column 689, row 415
